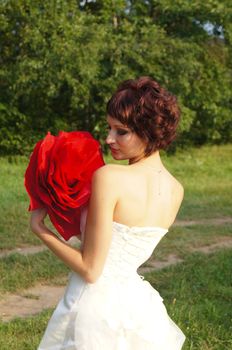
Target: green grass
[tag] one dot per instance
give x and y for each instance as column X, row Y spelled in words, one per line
column 181, row 240
column 23, row 334
column 205, row 173
column 18, row 272
column 14, row 230
column 197, row 294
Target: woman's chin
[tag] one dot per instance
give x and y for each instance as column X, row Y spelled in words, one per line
column 117, row 156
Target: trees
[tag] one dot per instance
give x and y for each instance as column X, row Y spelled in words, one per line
column 60, row 62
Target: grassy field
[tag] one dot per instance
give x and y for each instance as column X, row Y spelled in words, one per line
column 197, row 292
column 198, row 296
column 19, row 272
column 205, row 174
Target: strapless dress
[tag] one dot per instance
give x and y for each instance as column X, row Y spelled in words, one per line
column 121, row 310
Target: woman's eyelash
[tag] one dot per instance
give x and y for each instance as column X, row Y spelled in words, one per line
column 119, row 131
column 122, row 132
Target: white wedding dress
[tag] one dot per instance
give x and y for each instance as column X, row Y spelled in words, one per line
column 121, row 311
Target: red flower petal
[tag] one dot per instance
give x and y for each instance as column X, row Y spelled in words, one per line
column 59, row 176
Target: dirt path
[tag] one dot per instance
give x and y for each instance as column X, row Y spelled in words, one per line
column 36, row 249
column 217, row 222
column 24, row 251
column 29, row 302
column 225, row 242
column 34, row 300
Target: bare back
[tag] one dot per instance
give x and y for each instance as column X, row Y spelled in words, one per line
column 146, row 197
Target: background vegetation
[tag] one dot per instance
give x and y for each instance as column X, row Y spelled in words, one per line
column 61, row 60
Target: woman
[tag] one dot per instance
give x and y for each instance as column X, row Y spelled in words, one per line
column 107, row 305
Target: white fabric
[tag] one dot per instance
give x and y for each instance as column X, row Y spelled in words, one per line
column 121, row 311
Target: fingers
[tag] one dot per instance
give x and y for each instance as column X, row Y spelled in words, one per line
column 37, row 218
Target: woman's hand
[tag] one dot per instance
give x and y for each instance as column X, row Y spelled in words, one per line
column 37, row 221
column 71, row 256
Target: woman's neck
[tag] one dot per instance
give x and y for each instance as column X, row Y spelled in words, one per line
column 153, row 161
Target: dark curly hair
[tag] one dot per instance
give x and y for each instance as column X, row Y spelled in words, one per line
column 148, row 110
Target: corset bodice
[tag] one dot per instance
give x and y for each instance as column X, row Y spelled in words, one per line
column 130, row 248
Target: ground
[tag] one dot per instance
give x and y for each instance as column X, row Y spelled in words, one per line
column 33, row 300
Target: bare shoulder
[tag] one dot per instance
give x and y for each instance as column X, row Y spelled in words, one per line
column 106, row 178
column 110, row 171
column 177, row 195
column 177, row 187
column 179, row 190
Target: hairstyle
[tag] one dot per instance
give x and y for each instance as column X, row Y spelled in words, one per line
column 148, row 110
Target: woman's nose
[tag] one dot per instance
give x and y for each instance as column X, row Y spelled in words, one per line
column 110, row 138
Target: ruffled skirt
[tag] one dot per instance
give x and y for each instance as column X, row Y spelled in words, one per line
column 126, row 314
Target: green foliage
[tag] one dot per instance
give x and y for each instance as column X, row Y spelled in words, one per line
column 60, row 62
column 13, row 131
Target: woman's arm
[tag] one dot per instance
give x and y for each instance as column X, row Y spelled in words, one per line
column 89, row 261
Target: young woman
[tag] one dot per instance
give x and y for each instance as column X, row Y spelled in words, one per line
column 107, row 305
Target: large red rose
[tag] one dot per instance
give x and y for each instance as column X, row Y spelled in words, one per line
column 59, row 175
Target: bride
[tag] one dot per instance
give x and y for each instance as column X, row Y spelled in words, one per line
column 107, row 305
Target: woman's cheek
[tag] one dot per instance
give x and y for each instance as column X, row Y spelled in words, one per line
column 126, row 139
